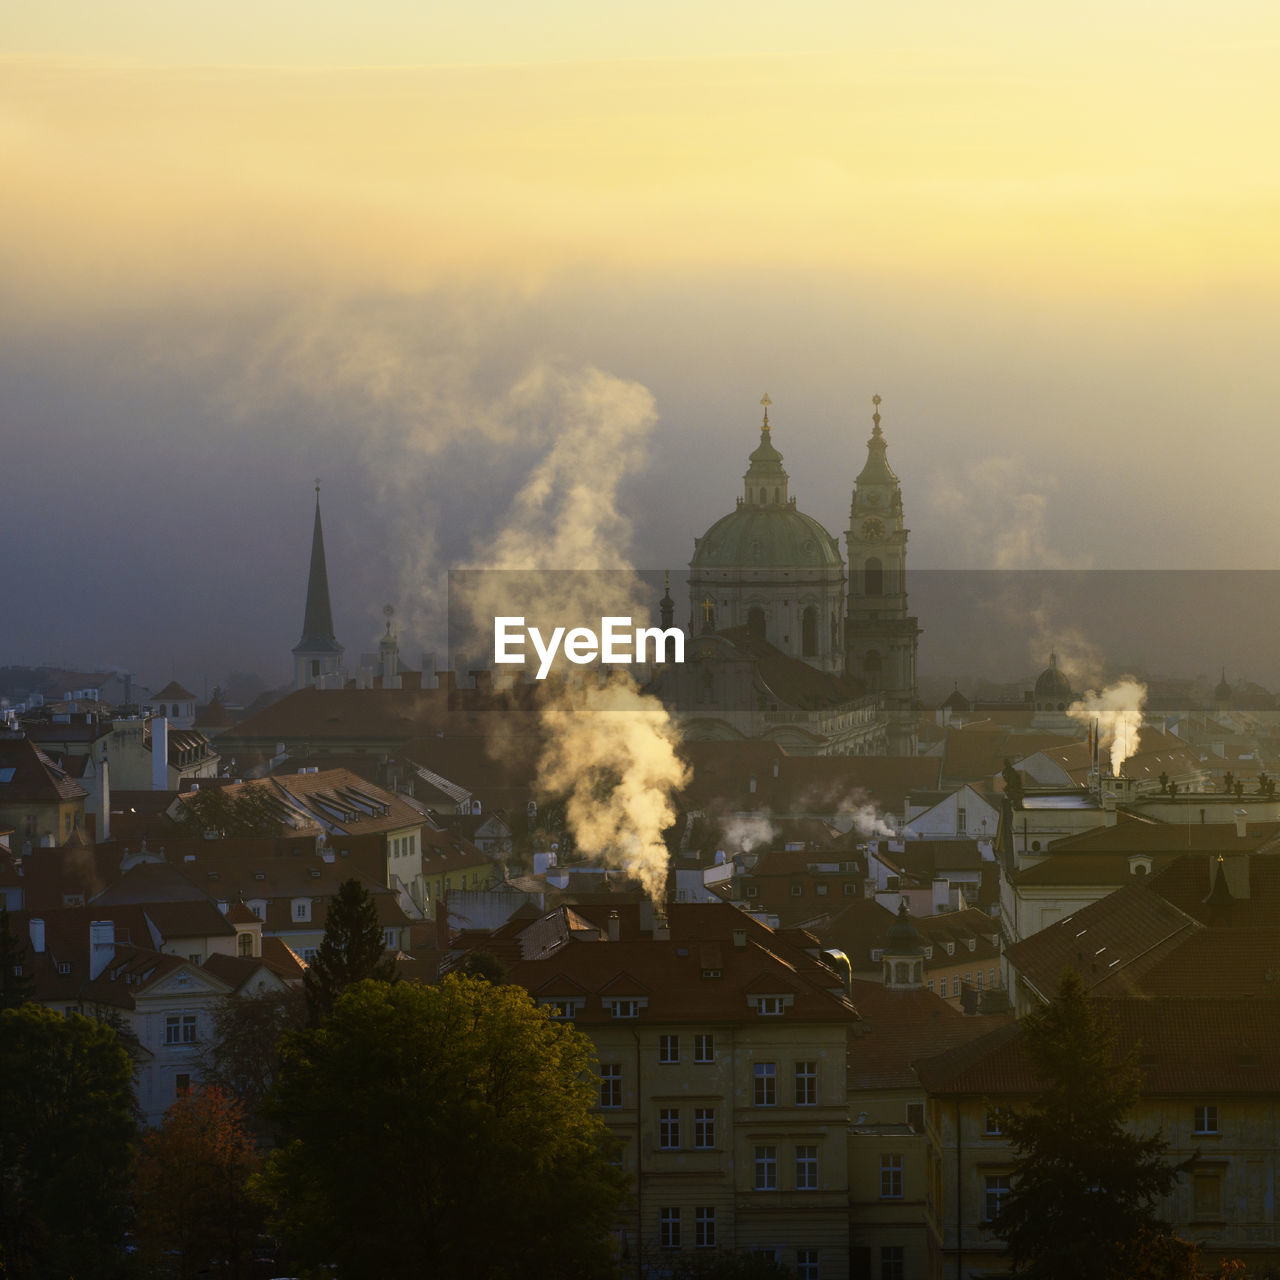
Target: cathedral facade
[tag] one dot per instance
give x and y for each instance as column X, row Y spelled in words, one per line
column 773, row 571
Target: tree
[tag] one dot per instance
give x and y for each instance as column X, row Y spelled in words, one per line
column 350, row 951
column 483, row 964
column 66, row 1143
column 193, row 1196
column 246, row 811
column 1085, row 1188
column 443, row 1130
column 16, row 985
column 244, row 1050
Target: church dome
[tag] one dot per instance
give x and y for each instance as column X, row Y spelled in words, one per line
column 767, row 537
column 1052, row 683
column 904, row 937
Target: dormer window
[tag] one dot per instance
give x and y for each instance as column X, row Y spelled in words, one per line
column 626, row 1008
column 973, row 944
column 951, row 948
column 770, row 1006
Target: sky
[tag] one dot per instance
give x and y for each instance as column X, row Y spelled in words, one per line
column 246, row 246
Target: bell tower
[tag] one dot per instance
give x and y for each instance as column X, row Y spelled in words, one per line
column 318, row 653
column 881, row 638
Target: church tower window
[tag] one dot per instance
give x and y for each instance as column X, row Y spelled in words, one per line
column 809, row 632
column 873, row 577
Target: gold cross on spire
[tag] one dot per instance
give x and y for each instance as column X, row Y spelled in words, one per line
column 764, row 400
column 706, row 609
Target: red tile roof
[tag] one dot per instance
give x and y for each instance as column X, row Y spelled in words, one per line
column 27, row 775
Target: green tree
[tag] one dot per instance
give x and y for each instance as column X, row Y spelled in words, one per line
column 483, row 964
column 243, row 1056
column 443, row 1130
column 66, row 1145
column 350, row 951
column 1085, row 1188
column 194, row 1203
column 16, row 985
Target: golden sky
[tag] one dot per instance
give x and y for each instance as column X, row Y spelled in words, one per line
column 157, row 147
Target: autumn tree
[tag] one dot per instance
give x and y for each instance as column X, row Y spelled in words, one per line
column 243, row 1055
column 67, row 1132
column 350, row 951
column 193, row 1198
column 444, row 1130
column 1084, row 1194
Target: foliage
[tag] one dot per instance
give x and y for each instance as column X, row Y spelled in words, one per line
column 15, row 988
column 66, row 1144
column 1085, row 1188
column 194, row 1204
column 244, row 811
column 446, row 1131
column 482, row 964
column 350, row 951
column 244, row 1051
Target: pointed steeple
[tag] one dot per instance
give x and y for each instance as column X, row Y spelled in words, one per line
column 318, row 653
column 317, row 621
column 765, row 483
column 877, row 469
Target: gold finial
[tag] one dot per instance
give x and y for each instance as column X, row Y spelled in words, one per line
column 764, row 400
column 875, row 416
column 667, row 582
column 317, row 487
column 388, row 612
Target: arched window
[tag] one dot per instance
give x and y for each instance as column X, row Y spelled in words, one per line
column 755, row 622
column 873, row 577
column 809, row 632
column 245, row 944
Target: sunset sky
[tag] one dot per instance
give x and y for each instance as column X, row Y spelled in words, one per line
column 246, row 245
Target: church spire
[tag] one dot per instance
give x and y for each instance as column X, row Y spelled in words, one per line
column 765, row 483
column 877, row 469
column 318, row 651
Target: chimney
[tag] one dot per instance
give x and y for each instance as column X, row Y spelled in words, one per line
column 102, row 946
column 35, row 928
column 739, row 938
column 1109, row 808
column 661, row 930
column 159, row 753
column 615, row 927
column 1242, row 818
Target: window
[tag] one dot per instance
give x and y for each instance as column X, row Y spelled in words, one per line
column 960, row 817
column 797, row 889
column 1207, row 1190
column 704, row 1048
column 997, row 1187
column 766, row 1074
column 669, row 1228
column 806, row 1084
column 850, row 889
column 244, row 944
column 955, row 984
column 1207, row 1118
column 770, row 1006
column 626, row 1008
column 704, row 1228
column 389, row 939
column 668, row 1048
column 181, row 1085
column 300, row 910
column 173, row 1030
column 806, row 1264
column 992, row 1125
column 704, row 1127
column 807, row 1168
column 991, row 977
column 979, row 979
column 308, row 955
column 891, row 1177
column 611, row 1084
column 820, row 889
column 561, row 1009
column 64, row 967
column 188, row 1028
column 766, row 1167
column 893, row 1262
column 668, row 1128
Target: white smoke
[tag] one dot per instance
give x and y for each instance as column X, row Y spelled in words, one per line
column 1118, row 713
column 741, row 835
column 855, row 812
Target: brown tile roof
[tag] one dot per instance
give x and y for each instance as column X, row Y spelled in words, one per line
column 339, row 800
column 1254, row 880
column 1170, row 837
column 282, row 960
column 238, row 913
column 173, row 692
column 27, row 775
column 235, row 971
column 1111, row 943
column 1211, row 1047
column 896, row 1028
column 977, row 752
column 1084, row 869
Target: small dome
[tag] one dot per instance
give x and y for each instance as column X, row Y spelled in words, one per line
column 767, row 537
column 904, row 937
column 1051, row 682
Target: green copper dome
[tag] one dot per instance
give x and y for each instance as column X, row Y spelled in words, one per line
column 766, row 537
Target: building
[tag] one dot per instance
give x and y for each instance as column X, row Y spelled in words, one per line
column 722, row 1047
column 317, row 657
column 41, row 803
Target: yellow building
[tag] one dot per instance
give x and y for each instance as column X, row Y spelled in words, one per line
column 1212, row 1084
column 40, row 802
column 722, row 1048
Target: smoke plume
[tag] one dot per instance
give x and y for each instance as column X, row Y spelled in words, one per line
column 1118, row 712
column 741, row 835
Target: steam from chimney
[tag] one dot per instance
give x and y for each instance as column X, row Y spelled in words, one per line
column 1118, row 711
column 609, row 748
column 855, row 812
column 741, row 835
